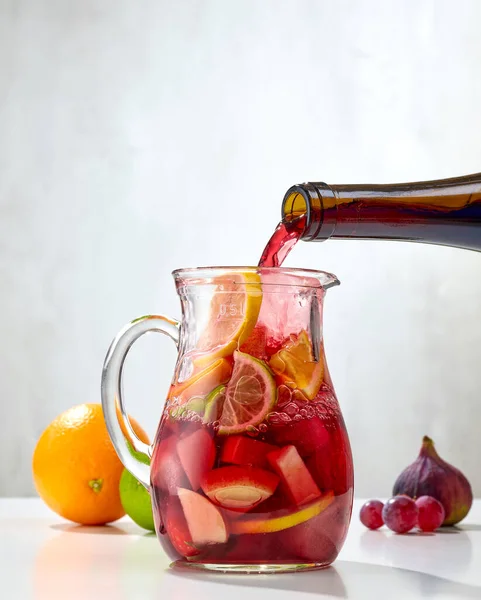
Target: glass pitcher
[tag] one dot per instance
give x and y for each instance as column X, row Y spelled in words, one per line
column 251, row 468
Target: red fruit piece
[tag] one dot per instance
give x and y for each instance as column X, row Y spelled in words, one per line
column 430, row 513
column 261, row 343
column 255, row 344
column 197, row 455
column 296, row 479
column 239, row 488
column 240, row 450
column 371, row 514
column 331, row 464
column 400, row 514
column 321, row 469
column 204, row 520
column 167, row 472
column 308, row 435
column 178, row 531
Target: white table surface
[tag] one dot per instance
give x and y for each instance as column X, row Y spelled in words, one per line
column 44, row 557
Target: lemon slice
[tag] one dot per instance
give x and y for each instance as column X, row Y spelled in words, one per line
column 234, row 310
column 262, row 525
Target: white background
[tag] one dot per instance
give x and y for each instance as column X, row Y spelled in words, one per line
column 137, row 136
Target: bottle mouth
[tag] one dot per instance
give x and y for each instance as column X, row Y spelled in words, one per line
column 296, row 205
column 310, row 205
column 302, row 208
column 269, row 276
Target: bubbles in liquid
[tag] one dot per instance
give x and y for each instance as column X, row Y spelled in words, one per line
column 310, row 411
column 291, row 407
column 284, row 395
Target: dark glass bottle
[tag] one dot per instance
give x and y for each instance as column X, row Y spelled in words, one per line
column 445, row 212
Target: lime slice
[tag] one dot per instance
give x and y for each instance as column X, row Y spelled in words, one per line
column 213, row 404
column 249, row 395
column 196, row 404
column 234, row 309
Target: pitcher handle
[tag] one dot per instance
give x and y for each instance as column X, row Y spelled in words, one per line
column 115, row 415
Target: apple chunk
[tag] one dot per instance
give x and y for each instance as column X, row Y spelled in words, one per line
column 296, row 479
column 177, row 529
column 197, row 455
column 204, row 521
column 168, row 473
column 239, row 488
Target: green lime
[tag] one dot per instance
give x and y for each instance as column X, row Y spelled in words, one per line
column 135, row 498
column 213, row 404
column 196, row 404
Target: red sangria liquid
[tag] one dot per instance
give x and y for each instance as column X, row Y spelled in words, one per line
column 252, row 463
column 284, row 238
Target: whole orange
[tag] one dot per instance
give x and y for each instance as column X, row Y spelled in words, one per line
column 75, row 467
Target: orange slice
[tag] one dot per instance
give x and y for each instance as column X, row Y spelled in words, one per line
column 202, row 382
column 249, row 395
column 295, row 366
column 234, row 309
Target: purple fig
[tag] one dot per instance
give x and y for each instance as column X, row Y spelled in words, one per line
column 430, row 475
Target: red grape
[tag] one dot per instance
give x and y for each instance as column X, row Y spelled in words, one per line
column 371, row 514
column 431, row 513
column 400, row 514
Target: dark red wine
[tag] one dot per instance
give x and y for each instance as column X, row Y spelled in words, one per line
column 284, row 238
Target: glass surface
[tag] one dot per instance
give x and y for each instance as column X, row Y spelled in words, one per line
column 251, row 466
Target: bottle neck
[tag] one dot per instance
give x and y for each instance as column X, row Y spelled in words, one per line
column 446, row 212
